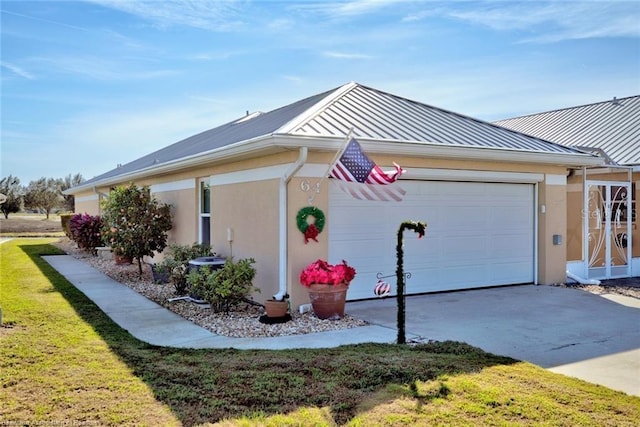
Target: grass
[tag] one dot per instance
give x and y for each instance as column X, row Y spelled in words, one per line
column 63, row 360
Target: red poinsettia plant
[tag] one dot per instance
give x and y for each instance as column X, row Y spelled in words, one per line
column 321, row 272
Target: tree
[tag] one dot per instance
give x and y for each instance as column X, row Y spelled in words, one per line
column 43, row 194
column 68, row 182
column 135, row 224
column 10, row 187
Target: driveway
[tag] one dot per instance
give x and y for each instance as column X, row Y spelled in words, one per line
column 566, row 330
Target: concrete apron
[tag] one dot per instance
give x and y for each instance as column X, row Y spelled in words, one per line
column 565, row 330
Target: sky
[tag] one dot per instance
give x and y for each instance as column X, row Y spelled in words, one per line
column 90, row 84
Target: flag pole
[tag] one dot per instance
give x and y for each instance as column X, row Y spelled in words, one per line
column 339, row 153
column 333, row 162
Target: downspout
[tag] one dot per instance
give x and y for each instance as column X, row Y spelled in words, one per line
column 284, row 180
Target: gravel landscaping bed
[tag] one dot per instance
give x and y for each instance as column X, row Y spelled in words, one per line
column 240, row 323
column 607, row 287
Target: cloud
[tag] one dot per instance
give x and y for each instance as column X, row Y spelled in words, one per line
column 558, row 20
column 346, row 55
column 17, row 70
column 349, row 8
column 48, row 21
column 203, row 14
column 100, row 68
column 215, row 55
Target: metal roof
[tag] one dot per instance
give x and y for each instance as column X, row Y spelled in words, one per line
column 381, row 116
column 612, row 126
column 373, row 114
column 245, row 128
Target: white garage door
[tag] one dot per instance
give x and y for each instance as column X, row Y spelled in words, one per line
column 478, row 234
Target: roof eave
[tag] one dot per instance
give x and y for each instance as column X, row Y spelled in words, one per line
column 425, row 149
column 233, row 151
column 276, row 143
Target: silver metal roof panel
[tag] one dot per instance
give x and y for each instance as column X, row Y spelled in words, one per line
column 612, row 126
column 381, row 116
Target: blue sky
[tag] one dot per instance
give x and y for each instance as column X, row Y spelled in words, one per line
column 88, row 85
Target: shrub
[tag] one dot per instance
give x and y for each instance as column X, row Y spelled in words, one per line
column 85, row 230
column 226, row 287
column 135, row 223
column 177, row 263
column 64, row 222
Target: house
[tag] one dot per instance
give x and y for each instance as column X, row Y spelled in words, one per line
column 603, row 237
column 495, row 200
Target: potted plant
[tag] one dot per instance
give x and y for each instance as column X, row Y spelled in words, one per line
column 161, row 273
column 328, row 285
column 276, row 308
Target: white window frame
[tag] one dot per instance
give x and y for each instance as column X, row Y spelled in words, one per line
column 202, row 182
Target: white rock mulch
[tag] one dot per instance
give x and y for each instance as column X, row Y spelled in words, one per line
column 242, row 323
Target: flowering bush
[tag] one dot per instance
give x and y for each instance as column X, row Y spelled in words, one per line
column 85, row 230
column 321, row 272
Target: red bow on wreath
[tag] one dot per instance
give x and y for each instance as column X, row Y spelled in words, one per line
column 311, row 233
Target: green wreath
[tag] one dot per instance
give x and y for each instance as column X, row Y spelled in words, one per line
column 310, row 231
column 304, row 213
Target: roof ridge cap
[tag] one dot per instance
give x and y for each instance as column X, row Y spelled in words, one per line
column 316, row 108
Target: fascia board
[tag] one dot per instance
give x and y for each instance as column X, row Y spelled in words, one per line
column 232, row 151
column 422, row 149
column 276, row 143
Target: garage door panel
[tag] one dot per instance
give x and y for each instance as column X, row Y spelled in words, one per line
column 506, row 246
column 462, row 247
column 478, row 234
column 511, row 273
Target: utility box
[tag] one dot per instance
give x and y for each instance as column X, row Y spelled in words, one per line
column 214, row 262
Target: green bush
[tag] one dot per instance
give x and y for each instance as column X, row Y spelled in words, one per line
column 226, row 287
column 177, row 263
column 64, row 222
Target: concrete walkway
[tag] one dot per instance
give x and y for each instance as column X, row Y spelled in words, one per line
column 154, row 324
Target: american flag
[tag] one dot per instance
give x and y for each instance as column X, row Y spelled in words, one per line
column 364, row 176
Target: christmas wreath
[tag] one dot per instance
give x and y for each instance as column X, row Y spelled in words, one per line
column 310, row 231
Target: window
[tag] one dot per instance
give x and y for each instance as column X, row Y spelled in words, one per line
column 204, row 212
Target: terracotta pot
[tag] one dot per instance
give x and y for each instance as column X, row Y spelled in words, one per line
column 276, row 308
column 122, row 260
column 328, row 301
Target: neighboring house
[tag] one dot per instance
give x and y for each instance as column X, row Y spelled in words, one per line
column 494, row 199
column 603, row 237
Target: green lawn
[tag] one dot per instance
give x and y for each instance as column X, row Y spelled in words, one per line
column 62, row 360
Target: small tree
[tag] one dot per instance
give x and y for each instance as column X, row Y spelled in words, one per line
column 10, row 187
column 43, row 194
column 135, row 224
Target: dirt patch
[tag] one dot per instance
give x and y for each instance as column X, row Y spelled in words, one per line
column 27, row 225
